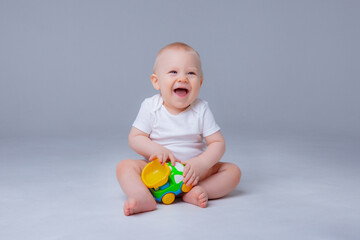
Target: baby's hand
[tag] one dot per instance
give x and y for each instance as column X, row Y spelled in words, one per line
column 192, row 171
column 164, row 156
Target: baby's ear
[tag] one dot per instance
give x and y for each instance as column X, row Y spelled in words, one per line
column 155, row 81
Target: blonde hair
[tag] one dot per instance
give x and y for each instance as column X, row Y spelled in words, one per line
column 177, row 46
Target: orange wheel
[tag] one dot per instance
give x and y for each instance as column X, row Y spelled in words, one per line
column 185, row 188
column 168, row 198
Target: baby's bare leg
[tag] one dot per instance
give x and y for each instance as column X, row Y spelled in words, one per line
column 128, row 173
column 220, row 180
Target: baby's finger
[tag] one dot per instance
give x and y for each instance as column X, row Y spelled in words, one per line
column 186, row 170
column 165, row 158
column 196, row 181
column 191, row 181
column 160, row 158
column 172, row 159
column 152, row 157
column 188, row 176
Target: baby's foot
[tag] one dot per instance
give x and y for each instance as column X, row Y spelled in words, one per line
column 197, row 196
column 132, row 206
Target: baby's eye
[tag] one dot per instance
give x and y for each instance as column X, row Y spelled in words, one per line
column 173, row 72
column 192, row 73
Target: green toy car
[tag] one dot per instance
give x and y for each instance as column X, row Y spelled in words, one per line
column 164, row 181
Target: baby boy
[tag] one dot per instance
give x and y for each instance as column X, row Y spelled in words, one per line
column 172, row 126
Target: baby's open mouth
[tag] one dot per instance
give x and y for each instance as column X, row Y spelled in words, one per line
column 181, row 92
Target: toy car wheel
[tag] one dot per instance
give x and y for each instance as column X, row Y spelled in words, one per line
column 168, row 198
column 185, row 188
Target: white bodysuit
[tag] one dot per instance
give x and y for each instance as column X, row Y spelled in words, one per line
column 182, row 134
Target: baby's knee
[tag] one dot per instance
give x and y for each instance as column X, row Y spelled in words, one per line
column 126, row 165
column 235, row 172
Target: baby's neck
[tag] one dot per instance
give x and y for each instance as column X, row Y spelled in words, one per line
column 173, row 110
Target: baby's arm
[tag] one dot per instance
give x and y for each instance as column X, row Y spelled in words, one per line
column 140, row 142
column 196, row 166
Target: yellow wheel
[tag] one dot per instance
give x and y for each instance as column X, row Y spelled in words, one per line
column 185, row 188
column 168, row 198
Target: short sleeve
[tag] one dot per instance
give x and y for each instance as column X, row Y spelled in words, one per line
column 144, row 119
column 209, row 124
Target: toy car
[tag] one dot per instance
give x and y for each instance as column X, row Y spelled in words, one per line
column 164, row 181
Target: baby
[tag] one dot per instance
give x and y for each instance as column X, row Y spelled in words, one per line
column 172, row 126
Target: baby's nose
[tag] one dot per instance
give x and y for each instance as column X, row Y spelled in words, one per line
column 182, row 79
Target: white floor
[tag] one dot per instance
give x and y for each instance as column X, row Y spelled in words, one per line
column 292, row 188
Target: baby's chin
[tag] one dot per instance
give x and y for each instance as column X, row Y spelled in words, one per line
column 183, row 104
column 180, row 103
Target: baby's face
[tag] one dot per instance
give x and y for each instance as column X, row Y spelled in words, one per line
column 178, row 76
